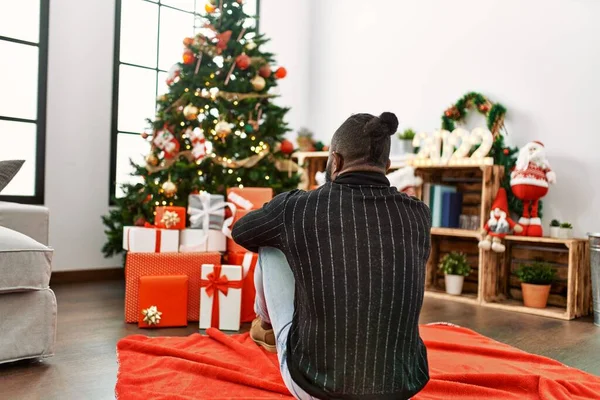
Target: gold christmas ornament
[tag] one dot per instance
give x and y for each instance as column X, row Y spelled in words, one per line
column 152, row 160
column 190, row 112
column 169, row 188
column 151, row 315
column 258, row 83
column 223, row 129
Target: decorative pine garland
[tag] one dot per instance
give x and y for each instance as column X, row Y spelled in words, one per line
column 493, row 112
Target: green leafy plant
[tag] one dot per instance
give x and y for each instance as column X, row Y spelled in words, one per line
column 455, row 263
column 566, row 225
column 408, row 134
column 537, row 273
column 555, row 223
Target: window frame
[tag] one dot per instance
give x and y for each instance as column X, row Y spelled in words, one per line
column 40, row 121
column 115, row 94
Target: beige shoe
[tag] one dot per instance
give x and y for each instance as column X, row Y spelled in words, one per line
column 263, row 337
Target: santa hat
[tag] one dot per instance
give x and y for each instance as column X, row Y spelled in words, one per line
column 501, row 201
column 538, row 142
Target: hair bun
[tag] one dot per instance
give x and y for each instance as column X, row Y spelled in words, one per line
column 390, row 121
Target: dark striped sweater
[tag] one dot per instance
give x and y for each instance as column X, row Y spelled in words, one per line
column 357, row 248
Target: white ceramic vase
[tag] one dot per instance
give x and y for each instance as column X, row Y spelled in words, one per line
column 555, row 231
column 454, row 284
column 566, row 233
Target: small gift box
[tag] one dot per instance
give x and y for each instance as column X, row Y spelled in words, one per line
column 150, row 240
column 170, row 217
column 249, row 198
column 196, row 240
column 248, row 262
column 163, row 301
column 207, row 209
column 220, row 296
column 232, row 246
column 162, row 264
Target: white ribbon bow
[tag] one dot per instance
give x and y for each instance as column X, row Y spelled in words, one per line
column 202, row 216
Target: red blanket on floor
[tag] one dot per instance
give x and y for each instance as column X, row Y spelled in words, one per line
column 463, row 365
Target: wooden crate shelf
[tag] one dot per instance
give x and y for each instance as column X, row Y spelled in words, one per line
column 570, row 294
column 492, row 283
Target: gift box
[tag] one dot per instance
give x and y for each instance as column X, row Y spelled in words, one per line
column 150, row 240
column 249, row 198
column 248, row 262
column 196, row 240
column 206, row 209
column 163, row 301
column 170, row 217
column 161, row 264
column 232, row 246
column 220, row 296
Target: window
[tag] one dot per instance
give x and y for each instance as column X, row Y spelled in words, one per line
column 148, row 41
column 23, row 72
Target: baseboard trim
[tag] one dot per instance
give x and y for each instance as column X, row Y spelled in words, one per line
column 94, row 275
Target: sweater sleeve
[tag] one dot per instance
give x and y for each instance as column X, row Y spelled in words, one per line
column 262, row 228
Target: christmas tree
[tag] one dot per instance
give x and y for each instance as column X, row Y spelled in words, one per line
column 217, row 127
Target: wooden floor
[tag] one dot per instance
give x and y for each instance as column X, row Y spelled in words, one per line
column 90, row 322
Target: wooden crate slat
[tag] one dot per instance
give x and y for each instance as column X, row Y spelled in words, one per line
column 548, row 254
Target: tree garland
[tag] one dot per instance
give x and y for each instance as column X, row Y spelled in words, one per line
column 493, row 112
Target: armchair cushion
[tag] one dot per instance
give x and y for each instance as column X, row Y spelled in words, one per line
column 24, row 263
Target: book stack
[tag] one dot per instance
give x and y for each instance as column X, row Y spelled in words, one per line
column 445, row 203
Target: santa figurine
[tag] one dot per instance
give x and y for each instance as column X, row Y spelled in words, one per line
column 529, row 182
column 499, row 225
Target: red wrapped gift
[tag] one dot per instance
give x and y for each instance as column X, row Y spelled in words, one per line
column 220, row 297
column 249, row 198
column 248, row 262
column 170, row 217
column 233, row 247
column 161, row 264
column 163, row 301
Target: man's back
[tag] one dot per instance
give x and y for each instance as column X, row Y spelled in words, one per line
column 357, row 249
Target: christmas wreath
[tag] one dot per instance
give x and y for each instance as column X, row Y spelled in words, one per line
column 493, row 112
column 503, row 155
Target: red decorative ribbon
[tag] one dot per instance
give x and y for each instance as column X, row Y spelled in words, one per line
column 215, row 283
column 157, row 241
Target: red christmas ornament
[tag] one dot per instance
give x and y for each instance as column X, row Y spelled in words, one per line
column 484, row 108
column 141, row 221
column 188, row 41
column 280, row 73
column 144, row 135
column 188, row 57
column 242, row 61
column 505, row 151
column 265, row 71
column 287, row 147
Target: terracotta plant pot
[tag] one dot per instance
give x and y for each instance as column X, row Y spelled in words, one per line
column 535, row 296
column 454, row 284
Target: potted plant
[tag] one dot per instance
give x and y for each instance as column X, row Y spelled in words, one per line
column 404, row 143
column 555, row 228
column 455, row 267
column 536, row 280
column 566, row 230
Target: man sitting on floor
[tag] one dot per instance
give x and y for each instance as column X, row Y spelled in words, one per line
column 341, row 274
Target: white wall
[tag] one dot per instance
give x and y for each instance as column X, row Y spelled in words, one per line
column 287, row 24
column 540, row 58
column 80, row 62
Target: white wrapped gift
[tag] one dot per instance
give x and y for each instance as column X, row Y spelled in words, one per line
column 220, row 296
column 199, row 241
column 150, row 240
